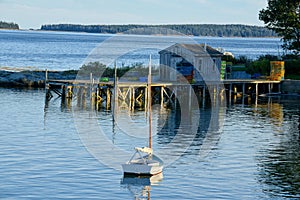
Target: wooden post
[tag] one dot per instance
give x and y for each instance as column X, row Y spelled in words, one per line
column 235, row 89
column 79, row 91
column 63, row 92
column 47, row 87
column 46, row 77
column 133, row 98
column 150, row 104
column 190, row 97
column 69, row 92
column 115, row 94
column 83, row 96
column 161, row 96
column 244, row 89
column 146, row 98
column 230, row 93
column 91, row 86
column 130, row 97
column 108, row 97
column 256, row 89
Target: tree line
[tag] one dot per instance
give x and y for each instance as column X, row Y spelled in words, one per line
column 8, row 25
column 229, row 30
column 101, row 70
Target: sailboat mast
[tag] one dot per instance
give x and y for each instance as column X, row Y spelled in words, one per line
column 115, row 93
column 150, row 105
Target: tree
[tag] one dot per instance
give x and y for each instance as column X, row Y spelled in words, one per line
column 283, row 16
column 8, row 25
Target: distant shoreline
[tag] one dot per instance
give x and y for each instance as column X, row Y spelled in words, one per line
column 40, row 30
column 212, row 30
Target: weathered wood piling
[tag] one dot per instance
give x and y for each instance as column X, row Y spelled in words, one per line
column 131, row 95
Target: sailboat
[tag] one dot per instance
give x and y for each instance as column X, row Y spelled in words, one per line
column 144, row 162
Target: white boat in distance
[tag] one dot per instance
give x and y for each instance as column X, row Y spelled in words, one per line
column 144, row 162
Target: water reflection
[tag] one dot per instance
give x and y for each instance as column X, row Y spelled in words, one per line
column 140, row 186
column 279, row 162
column 66, row 104
column 272, row 110
column 204, row 134
column 280, row 168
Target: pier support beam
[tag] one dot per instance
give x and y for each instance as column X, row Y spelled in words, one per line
column 108, row 98
column 256, row 89
column 69, row 92
column 190, row 97
column 48, row 92
column 63, row 91
column 244, row 89
column 162, row 96
column 230, row 93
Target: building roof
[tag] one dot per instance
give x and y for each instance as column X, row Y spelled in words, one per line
column 196, row 49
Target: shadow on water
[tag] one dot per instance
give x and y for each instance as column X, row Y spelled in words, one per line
column 140, row 186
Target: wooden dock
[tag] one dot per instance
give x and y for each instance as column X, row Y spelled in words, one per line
column 133, row 94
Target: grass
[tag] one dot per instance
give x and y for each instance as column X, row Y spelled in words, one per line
column 236, row 68
column 292, row 76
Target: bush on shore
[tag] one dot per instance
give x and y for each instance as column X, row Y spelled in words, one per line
column 262, row 66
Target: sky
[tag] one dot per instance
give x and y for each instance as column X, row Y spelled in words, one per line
column 34, row 13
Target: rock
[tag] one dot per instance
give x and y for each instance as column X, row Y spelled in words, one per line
column 34, row 79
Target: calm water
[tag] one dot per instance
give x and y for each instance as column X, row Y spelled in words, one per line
column 63, row 51
column 58, row 150
column 254, row 152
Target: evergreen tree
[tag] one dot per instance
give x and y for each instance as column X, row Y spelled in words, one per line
column 283, row 16
column 7, row 25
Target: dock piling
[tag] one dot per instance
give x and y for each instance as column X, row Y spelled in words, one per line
column 135, row 94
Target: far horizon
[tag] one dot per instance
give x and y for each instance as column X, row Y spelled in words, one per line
column 33, row 14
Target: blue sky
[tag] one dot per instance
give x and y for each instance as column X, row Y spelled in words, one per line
column 34, row 13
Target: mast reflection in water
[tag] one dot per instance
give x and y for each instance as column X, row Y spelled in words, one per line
column 140, row 186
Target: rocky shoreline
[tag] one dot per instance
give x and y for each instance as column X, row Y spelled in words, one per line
column 32, row 79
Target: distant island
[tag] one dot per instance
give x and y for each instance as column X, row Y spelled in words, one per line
column 214, row 30
column 8, row 25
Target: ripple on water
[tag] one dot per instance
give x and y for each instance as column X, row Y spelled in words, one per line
column 43, row 158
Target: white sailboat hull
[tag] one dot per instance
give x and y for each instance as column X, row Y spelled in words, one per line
column 139, row 167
